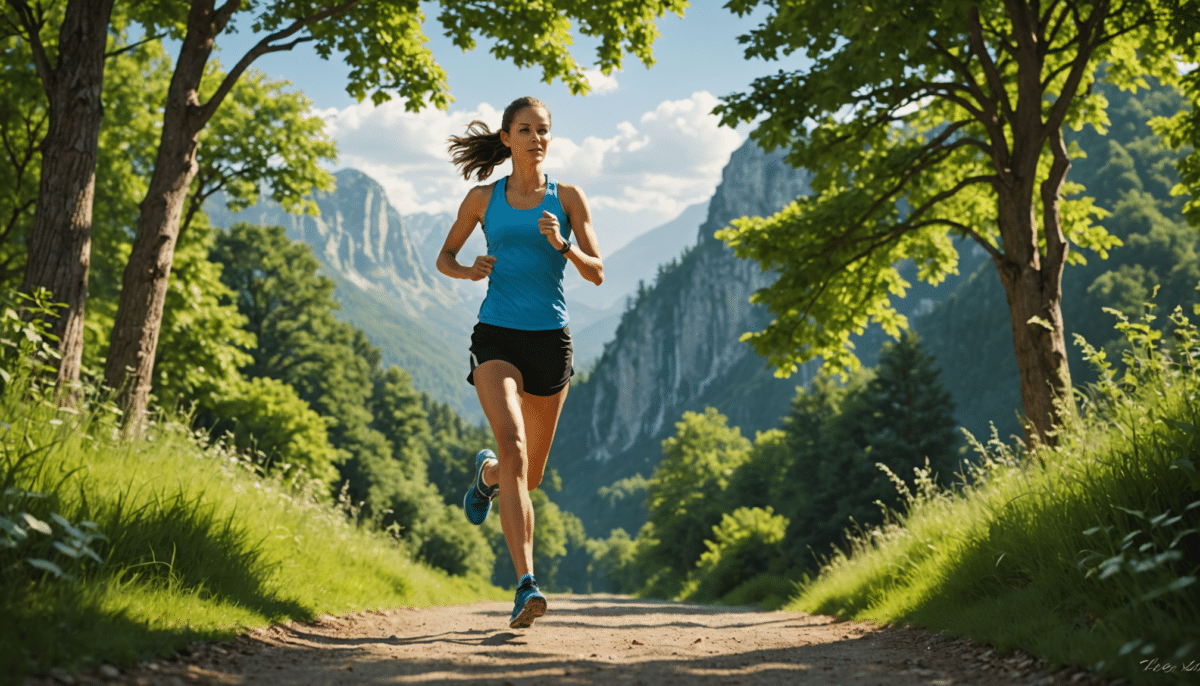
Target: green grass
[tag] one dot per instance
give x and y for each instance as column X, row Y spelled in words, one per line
column 195, row 545
column 1085, row 554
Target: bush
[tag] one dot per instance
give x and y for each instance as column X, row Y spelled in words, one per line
column 746, row 545
column 267, row 418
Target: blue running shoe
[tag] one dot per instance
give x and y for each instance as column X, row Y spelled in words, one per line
column 530, row 605
column 477, row 501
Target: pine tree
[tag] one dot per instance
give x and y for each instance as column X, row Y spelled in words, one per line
column 897, row 415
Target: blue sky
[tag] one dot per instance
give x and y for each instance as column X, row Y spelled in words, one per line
column 643, row 145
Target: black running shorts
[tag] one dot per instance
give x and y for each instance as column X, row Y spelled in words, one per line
column 543, row 357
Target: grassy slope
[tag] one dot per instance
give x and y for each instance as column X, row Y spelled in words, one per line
column 1089, row 557
column 196, row 546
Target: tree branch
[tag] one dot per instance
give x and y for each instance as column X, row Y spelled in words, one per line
column 263, row 47
column 1093, row 25
column 134, row 46
column 931, row 155
column 968, row 231
column 33, row 26
column 1056, row 242
column 991, row 73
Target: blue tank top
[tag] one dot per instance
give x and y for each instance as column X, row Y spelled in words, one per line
column 525, row 288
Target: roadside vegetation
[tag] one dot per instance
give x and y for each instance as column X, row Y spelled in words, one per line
column 1086, row 553
column 114, row 548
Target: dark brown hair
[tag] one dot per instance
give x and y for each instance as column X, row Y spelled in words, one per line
column 480, row 150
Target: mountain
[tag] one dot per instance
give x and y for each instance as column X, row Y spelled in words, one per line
column 676, row 349
column 386, row 285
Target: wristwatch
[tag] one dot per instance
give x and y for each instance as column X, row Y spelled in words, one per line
column 566, row 248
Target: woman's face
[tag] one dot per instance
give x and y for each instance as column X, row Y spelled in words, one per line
column 528, row 135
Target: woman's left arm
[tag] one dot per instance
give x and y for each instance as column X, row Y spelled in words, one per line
column 585, row 253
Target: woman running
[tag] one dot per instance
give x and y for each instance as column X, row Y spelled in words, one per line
column 521, row 347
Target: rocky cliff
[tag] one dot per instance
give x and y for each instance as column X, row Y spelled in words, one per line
column 677, row 349
column 386, row 284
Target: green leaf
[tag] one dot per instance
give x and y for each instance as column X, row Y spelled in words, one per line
column 48, row 566
column 36, row 524
column 1176, row 585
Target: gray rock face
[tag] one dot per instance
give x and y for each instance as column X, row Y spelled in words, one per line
column 678, row 347
column 361, row 235
column 362, row 238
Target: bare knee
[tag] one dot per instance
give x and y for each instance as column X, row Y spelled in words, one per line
column 514, row 462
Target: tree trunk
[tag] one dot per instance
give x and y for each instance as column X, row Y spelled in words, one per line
column 1040, row 347
column 1032, row 280
column 130, row 364
column 61, row 240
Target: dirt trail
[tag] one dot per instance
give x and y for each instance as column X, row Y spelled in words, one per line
column 596, row 639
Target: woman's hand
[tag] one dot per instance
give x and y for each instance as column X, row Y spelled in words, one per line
column 548, row 225
column 481, row 268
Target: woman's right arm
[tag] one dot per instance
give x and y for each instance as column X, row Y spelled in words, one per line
column 470, row 213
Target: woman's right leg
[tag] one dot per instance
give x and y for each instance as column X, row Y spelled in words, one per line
column 499, row 386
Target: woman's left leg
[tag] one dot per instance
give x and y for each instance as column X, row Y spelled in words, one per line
column 541, row 415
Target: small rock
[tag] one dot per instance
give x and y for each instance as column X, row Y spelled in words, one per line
column 697, row 640
column 1079, row 676
column 109, row 672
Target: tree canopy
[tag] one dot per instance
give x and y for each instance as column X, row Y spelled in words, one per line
column 925, row 123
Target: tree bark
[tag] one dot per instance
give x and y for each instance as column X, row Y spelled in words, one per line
column 130, row 364
column 1032, row 277
column 61, row 240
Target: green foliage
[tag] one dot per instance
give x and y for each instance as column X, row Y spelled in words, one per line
column 27, row 354
column 265, row 417
column 23, row 122
column 744, row 545
column 192, row 544
column 684, row 494
column 1087, row 556
column 263, row 135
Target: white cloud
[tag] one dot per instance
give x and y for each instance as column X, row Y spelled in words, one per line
column 600, row 82
column 640, row 175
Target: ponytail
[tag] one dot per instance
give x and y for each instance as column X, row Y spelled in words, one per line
column 480, row 150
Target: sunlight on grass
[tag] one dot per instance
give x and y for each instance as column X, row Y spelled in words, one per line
column 1086, row 553
column 193, row 543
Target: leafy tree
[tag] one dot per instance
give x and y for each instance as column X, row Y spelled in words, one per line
column 397, row 413
column 22, row 126
column 203, row 337
column 69, row 63
column 898, row 415
column 382, row 42
column 612, row 566
column 925, row 123
column 1132, row 174
column 684, row 494
column 266, row 416
column 746, row 544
